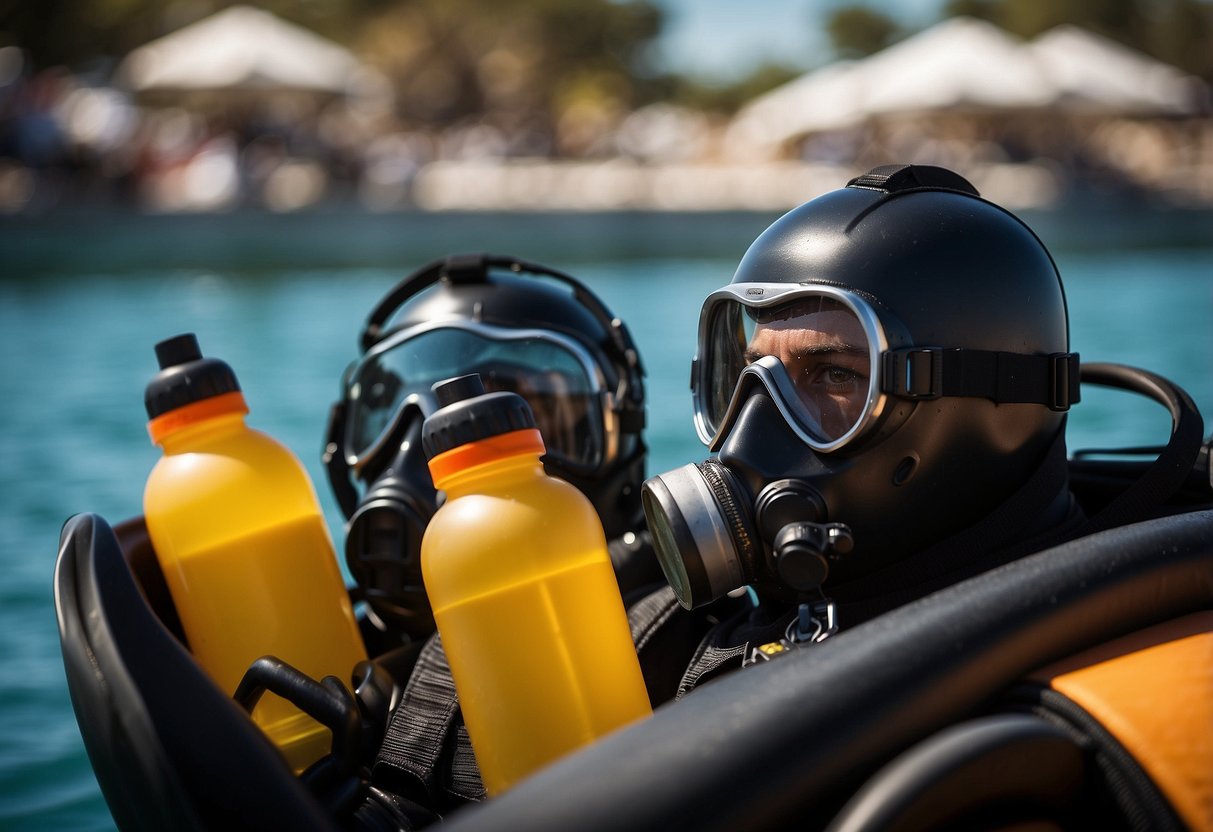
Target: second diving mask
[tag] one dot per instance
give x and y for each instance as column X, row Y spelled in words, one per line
column 796, row 385
column 555, row 374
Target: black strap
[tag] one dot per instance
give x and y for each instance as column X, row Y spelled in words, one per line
column 715, row 656
column 425, row 730
column 1004, row 377
column 711, row 661
column 647, row 616
column 899, row 178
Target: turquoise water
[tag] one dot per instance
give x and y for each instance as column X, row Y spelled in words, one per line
column 83, row 298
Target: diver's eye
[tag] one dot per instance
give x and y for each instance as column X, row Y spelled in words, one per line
column 841, row 376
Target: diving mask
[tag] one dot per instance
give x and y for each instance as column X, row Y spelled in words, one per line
column 555, row 374
column 824, row 356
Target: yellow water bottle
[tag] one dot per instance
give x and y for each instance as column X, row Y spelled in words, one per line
column 241, row 539
column 516, row 567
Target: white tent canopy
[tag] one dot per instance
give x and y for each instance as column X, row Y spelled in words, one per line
column 1093, row 73
column 967, row 65
column 961, row 63
column 826, row 99
column 241, row 47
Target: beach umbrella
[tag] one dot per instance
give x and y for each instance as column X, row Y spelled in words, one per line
column 1091, row 73
column 241, row 48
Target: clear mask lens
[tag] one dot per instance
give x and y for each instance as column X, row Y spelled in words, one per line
column 822, row 348
column 557, row 383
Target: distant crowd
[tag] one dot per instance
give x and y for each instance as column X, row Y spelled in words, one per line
column 67, row 141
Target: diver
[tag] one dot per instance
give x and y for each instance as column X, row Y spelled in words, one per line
column 884, row 383
column 525, row 328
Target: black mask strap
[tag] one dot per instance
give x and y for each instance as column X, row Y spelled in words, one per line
column 338, row 470
column 1003, row 377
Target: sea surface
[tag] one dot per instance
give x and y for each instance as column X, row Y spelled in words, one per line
column 85, row 295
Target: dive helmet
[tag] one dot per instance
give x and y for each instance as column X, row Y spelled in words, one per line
column 525, row 328
column 889, row 362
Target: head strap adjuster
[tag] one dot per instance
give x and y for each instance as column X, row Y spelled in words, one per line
column 1063, row 380
column 1004, row 377
column 913, row 373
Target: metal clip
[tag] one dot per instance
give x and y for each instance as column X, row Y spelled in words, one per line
column 814, row 622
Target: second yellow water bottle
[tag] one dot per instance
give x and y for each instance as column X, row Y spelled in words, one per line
column 516, row 567
column 240, row 536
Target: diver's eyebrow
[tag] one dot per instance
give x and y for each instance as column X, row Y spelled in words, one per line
column 839, row 348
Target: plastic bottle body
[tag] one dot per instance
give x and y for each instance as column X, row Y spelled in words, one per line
column 526, row 602
column 248, row 560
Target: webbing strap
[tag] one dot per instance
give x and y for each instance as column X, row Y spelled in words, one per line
column 465, row 771
column 709, row 662
column 647, row 615
column 426, row 727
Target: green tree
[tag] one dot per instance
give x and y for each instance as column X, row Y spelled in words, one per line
column 514, row 59
column 857, row 32
column 727, row 98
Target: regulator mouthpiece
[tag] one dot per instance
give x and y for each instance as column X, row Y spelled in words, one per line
column 711, row 536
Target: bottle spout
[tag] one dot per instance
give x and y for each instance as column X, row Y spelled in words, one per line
column 458, row 388
column 181, row 349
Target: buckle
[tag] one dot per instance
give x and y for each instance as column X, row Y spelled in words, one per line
column 1064, row 388
column 913, row 373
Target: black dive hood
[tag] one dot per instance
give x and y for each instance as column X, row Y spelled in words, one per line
column 969, row 385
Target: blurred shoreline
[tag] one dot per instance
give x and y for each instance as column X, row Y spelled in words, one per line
column 79, row 238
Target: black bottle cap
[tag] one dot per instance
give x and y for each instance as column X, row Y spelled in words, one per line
column 185, row 376
column 468, row 414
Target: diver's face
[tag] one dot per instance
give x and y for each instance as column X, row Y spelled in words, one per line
column 825, row 355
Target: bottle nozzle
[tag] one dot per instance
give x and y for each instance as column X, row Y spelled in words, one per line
column 458, row 388
column 180, row 349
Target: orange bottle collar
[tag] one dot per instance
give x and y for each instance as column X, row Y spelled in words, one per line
column 481, row 451
column 195, row 412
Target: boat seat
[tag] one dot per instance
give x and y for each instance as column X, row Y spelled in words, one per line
column 153, row 723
